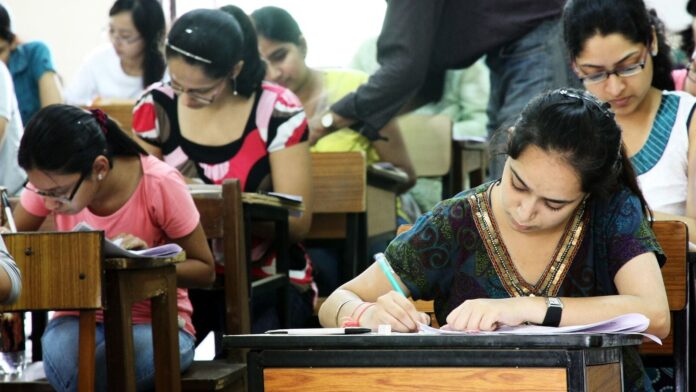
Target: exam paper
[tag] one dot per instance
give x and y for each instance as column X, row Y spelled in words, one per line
column 631, row 323
column 112, row 248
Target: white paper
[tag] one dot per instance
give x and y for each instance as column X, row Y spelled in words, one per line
column 631, row 323
column 112, row 248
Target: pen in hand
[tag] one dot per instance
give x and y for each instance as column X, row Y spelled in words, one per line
column 389, row 272
column 8, row 212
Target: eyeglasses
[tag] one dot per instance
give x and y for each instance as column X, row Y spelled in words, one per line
column 115, row 38
column 622, row 72
column 197, row 94
column 58, row 197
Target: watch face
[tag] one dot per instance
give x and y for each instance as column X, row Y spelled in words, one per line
column 554, row 301
column 327, row 120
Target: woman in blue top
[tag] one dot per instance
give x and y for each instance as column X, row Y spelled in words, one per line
column 566, row 224
column 35, row 79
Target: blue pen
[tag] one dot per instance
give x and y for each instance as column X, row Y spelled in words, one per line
column 389, row 272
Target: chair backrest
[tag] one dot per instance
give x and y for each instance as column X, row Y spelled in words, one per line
column 673, row 238
column 222, row 218
column 121, row 111
column 428, row 140
column 62, row 271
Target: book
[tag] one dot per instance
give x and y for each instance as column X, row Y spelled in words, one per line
column 113, row 250
column 631, row 323
column 293, row 203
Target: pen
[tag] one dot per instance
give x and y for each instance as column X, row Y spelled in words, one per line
column 320, row 331
column 8, row 212
column 389, row 272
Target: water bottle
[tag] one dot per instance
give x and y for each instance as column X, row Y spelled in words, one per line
column 12, row 343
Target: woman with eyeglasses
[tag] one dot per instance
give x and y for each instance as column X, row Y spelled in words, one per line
column 218, row 119
column 685, row 78
column 619, row 52
column 36, row 82
column 133, row 61
column 83, row 168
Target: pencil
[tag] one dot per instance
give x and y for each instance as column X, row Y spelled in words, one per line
column 389, row 272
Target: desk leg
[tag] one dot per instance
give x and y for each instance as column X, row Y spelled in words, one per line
column 118, row 333
column 165, row 336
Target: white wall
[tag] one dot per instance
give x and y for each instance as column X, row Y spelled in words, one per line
column 72, row 28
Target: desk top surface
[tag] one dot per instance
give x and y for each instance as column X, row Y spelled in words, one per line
column 405, row 341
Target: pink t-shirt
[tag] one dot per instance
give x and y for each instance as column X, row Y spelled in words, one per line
column 160, row 209
column 679, row 77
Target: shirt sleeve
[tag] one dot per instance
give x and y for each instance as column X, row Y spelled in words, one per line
column 6, row 94
column 628, row 233
column 40, row 60
column 404, row 53
column 288, row 119
column 83, row 88
column 146, row 125
column 9, row 265
column 33, row 204
column 425, row 256
column 174, row 209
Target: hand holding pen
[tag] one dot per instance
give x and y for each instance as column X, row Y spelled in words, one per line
column 394, row 307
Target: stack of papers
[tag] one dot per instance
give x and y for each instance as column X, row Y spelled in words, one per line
column 112, row 248
column 632, row 323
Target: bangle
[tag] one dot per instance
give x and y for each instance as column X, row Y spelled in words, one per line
column 338, row 312
column 355, row 321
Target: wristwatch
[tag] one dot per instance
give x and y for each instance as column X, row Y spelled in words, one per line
column 554, row 310
column 327, row 121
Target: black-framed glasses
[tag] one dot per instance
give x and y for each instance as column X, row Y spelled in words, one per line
column 55, row 196
column 622, row 72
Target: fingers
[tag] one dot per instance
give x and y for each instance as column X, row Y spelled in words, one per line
column 399, row 312
column 474, row 315
column 128, row 241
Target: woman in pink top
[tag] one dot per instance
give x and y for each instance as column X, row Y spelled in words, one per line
column 83, row 168
column 685, row 79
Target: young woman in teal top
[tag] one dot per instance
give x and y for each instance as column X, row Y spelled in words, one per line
column 565, row 224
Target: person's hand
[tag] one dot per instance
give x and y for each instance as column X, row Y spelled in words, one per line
column 129, row 242
column 485, row 314
column 396, row 310
column 316, row 130
column 5, row 229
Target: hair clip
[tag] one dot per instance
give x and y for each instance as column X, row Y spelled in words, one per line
column 187, row 54
column 583, row 96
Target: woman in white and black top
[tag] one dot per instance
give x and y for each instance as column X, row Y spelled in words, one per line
column 10, row 278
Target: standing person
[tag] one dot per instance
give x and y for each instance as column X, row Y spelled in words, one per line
column 11, row 175
column 133, row 61
column 521, row 41
column 218, row 119
column 83, row 168
column 620, row 54
column 36, row 82
column 284, row 48
column 561, row 239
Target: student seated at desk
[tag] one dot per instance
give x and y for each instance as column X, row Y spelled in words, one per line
column 133, row 61
column 284, row 48
column 10, row 277
column 84, row 168
column 567, row 220
column 217, row 119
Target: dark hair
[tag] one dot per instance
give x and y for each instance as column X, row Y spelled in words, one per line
column 67, row 139
column 582, row 129
column 220, row 38
column 583, row 19
column 276, row 24
column 687, row 35
column 148, row 19
column 6, row 25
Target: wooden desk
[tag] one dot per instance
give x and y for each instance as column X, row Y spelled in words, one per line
column 427, row 362
column 469, row 164
column 127, row 281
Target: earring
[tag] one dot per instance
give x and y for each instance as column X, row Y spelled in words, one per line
column 100, row 176
column 234, row 86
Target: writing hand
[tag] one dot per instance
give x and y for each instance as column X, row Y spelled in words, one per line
column 485, row 314
column 396, row 310
column 129, row 241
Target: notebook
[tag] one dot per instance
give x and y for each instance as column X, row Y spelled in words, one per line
column 112, row 248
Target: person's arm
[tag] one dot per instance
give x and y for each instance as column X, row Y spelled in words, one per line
column 292, row 174
column 393, row 150
column 10, row 277
column 640, row 290
column 690, row 218
column 404, row 54
column 49, row 89
column 198, row 270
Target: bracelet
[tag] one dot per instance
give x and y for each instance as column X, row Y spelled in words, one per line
column 338, row 312
column 355, row 321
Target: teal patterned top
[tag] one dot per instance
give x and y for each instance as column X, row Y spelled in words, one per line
column 451, row 255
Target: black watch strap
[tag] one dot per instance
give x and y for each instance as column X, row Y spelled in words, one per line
column 554, row 310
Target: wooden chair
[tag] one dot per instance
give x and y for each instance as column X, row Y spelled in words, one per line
column 673, row 238
column 119, row 110
column 60, row 271
column 428, row 140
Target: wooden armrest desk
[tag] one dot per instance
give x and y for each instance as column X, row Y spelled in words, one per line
column 126, row 282
column 427, row 362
